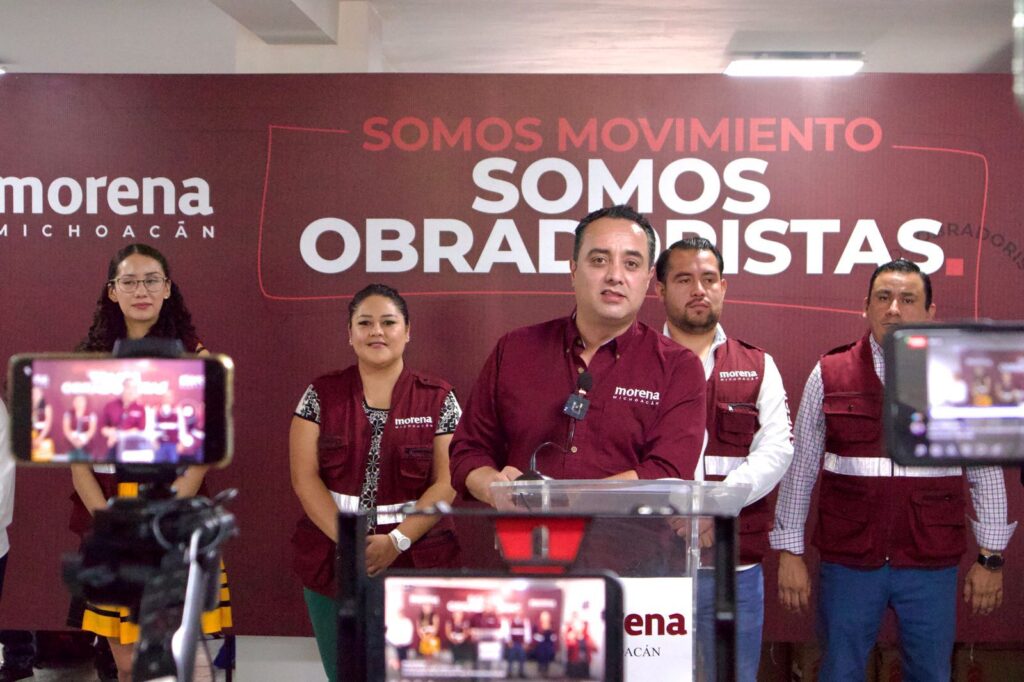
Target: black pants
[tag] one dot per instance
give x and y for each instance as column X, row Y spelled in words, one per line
column 19, row 646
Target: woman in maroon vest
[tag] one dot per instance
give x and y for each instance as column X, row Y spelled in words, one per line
column 372, row 438
column 138, row 300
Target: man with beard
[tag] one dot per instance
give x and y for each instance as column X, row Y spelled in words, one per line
column 749, row 439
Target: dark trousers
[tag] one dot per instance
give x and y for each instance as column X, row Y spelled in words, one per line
column 19, row 647
column 516, row 653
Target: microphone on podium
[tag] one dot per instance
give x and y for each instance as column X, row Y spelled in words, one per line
column 576, row 406
column 532, row 474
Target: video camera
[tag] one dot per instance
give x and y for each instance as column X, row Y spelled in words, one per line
column 147, row 412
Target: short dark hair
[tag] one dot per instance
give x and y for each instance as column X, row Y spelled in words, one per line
column 903, row 265
column 378, row 290
column 688, row 244
column 624, row 212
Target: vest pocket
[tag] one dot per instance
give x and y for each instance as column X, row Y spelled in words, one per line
column 326, row 442
column 937, row 524
column 736, row 423
column 853, row 417
column 414, row 467
column 844, row 519
column 333, row 454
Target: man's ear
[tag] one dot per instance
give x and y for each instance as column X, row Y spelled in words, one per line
column 659, row 289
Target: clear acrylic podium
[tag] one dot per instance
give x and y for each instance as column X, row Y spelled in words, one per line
column 622, row 498
column 646, row 533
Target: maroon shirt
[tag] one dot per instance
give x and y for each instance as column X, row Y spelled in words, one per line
column 131, row 417
column 647, row 407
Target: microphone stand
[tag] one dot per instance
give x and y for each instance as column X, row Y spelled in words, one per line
column 575, row 408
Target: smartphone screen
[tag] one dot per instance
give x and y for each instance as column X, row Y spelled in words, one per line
column 458, row 627
column 104, row 411
column 955, row 394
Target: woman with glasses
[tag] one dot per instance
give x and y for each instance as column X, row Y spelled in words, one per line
column 371, row 438
column 138, row 300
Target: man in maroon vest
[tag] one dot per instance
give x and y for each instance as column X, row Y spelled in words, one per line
column 749, row 439
column 888, row 536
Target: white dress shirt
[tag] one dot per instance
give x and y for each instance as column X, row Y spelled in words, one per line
column 6, row 480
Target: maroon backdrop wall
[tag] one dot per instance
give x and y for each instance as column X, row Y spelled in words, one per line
column 282, row 195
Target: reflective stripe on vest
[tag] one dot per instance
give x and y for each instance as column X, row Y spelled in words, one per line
column 882, row 466
column 716, row 465
column 386, row 513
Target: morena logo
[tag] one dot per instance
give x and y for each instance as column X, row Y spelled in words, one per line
column 636, row 394
column 414, row 421
column 636, row 624
column 738, row 375
column 121, row 195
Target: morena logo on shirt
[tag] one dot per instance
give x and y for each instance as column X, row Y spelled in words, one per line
column 413, row 422
column 738, row 375
column 637, row 395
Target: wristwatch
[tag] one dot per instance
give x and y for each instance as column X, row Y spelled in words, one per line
column 992, row 562
column 403, row 543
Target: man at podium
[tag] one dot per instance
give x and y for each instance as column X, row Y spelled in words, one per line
column 596, row 394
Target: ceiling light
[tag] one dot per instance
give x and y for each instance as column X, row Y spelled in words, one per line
column 3, row 69
column 796, row 64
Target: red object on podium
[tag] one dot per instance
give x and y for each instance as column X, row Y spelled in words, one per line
column 560, row 538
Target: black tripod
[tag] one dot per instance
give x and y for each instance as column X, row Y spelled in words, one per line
column 159, row 556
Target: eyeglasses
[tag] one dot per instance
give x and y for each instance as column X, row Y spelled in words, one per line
column 128, row 285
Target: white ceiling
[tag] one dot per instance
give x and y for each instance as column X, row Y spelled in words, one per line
column 492, row 36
